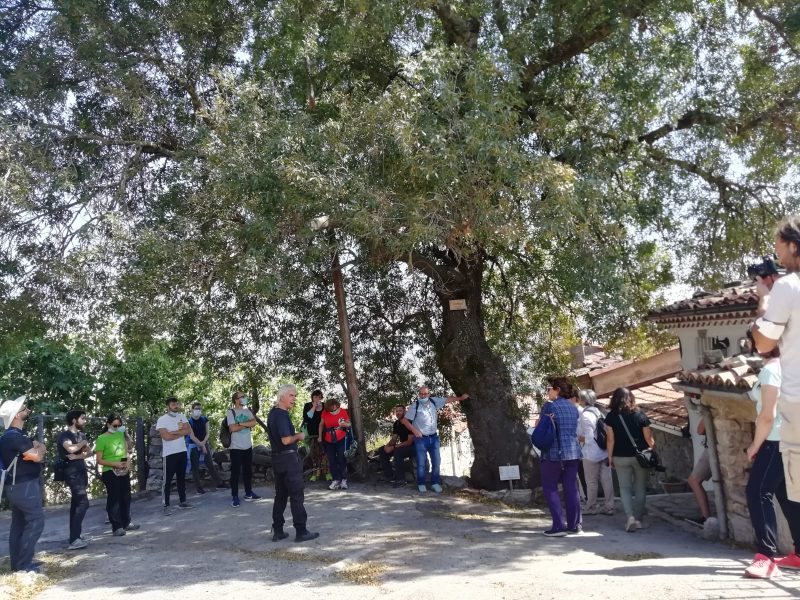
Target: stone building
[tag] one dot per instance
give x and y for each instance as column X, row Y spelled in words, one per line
column 717, row 374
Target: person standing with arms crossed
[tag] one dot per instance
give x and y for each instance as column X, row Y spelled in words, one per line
column 241, row 422
column 173, row 428
column 73, row 450
column 288, row 468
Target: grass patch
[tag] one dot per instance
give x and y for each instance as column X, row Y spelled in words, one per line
column 633, row 557
column 367, row 573
column 23, row 586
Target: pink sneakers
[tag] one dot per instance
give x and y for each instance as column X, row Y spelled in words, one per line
column 762, row 567
column 788, row 562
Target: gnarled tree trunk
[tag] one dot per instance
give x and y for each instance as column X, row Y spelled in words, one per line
column 495, row 420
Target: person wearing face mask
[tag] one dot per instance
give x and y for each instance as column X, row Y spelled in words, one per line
column 400, row 447
column 23, row 458
column 111, row 452
column 332, row 431
column 241, row 422
column 312, row 414
column 197, row 444
column 173, row 427
column 421, row 419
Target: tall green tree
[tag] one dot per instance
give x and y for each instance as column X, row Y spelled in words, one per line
column 517, row 155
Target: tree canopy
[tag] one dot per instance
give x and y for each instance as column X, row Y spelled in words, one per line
column 548, row 162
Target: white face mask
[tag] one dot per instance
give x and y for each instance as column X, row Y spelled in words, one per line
column 120, row 429
column 196, row 413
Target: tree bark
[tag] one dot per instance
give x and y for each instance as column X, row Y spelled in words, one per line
column 495, row 419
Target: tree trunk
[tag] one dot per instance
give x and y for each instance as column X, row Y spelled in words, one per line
column 496, row 421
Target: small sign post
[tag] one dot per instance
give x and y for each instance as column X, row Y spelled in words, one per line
column 509, row 473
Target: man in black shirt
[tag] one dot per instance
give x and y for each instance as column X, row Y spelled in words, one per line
column 287, row 467
column 22, row 485
column 400, row 446
column 312, row 414
column 73, row 449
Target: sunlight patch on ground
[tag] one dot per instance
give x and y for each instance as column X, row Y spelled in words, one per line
column 23, row 586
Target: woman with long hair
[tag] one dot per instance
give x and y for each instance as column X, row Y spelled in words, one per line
column 623, row 422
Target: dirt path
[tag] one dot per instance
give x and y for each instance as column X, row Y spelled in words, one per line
column 376, row 543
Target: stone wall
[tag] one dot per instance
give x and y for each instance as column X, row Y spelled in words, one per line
column 734, row 423
column 675, row 452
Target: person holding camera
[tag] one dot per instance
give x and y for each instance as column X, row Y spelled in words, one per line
column 73, row 450
column 778, row 325
column 623, row 422
column 400, row 447
column 111, row 452
column 287, row 467
column 173, row 427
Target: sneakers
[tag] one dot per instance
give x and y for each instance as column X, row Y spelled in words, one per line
column 791, row 561
column 132, row 527
column 306, row 536
column 118, row 532
column 222, row 486
column 762, row 567
column 422, row 489
column 436, row 488
column 589, row 511
column 343, row 484
column 201, row 491
column 184, row 505
column 334, row 485
column 639, row 525
column 577, row 531
column 78, row 544
column 252, row 496
column 609, row 511
column 328, row 477
column 398, row 484
column 167, row 511
column 313, row 477
column 235, row 502
column 555, row 533
column 631, row 524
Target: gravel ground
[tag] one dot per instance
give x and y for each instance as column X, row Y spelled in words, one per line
column 379, row 543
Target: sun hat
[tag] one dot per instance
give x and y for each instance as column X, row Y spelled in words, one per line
column 9, row 409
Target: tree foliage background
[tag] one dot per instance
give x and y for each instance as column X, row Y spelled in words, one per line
column 549, row 162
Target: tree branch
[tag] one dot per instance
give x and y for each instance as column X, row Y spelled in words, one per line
column 458, row 30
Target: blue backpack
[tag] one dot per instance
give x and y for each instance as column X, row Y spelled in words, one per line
column 545, row 433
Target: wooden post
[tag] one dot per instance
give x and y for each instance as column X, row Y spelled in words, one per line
column 353, row 396
column 40, row 439
column 141, row 456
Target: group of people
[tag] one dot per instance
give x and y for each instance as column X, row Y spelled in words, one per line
column 576, row 418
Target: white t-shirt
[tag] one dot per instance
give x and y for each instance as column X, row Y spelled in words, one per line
column 770, row 374
column 782, row 322
column 172, row 424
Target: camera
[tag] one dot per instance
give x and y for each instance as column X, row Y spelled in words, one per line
column 769, row 266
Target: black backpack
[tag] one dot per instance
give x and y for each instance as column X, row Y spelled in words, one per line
column 224, row 431
column 600, row 431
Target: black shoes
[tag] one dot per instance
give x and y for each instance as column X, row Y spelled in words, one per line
column 306, row 536
column 278, row 535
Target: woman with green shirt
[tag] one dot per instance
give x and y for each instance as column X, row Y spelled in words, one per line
column 111, row 451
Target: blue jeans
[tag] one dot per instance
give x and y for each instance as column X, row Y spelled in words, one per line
column 766, row 481
column 427, row 444
column 27, row 522
column 336, row 459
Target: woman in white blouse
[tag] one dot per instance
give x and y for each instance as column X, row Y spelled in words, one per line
column 595, row 459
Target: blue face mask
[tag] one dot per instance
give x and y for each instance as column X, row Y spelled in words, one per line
column 425, row 399
column 244, row 400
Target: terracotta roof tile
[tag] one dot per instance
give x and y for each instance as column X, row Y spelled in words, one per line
column 735, row 297
column 736, row 374
column 661, row 402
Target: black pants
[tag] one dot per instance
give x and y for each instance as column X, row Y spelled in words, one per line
column 767, row 480
column 175, row 466
column 241, row 461
column 118, row 499
column 400, row 455
column 337, row 462
column 194, row 458
column 27, row 522
column 78, row 481
column 288, row 469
